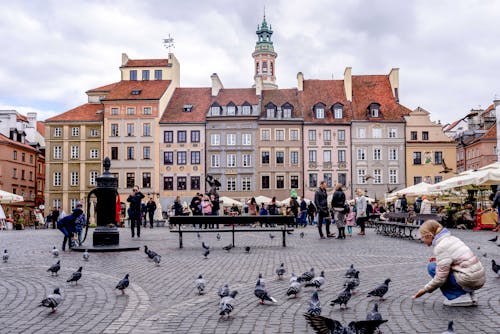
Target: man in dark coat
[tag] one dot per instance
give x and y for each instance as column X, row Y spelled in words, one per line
column 151, row 208
column 135, row 210
column 321, row 202
column 67, row 225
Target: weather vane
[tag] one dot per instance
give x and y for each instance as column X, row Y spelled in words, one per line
column 169, row 43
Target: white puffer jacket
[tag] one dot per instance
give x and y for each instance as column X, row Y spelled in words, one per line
column 452, row 254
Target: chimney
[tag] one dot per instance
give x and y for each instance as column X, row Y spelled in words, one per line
column 300, row 81
column 124, row 59
column 31, row 119
column 216, row 84
column 394, row 80
column 259, row 85
column 348, row 83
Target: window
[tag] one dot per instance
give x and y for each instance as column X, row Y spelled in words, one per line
column 393, row 176
column 425, row 135
column 215, row 110
column 73, row 203
column 57, row 132
column 195, row 157
column 393, row 154
column 56, row 203
column 327, row 135
column 413, row 135
column 182, row 158
column 231, row 139
column 341, row 135
column 280, row 182
column 312, row 135
column 146, row 129
column 294, row 135
column 168, row 136
column 374, row 110
column 130, row 111
column 266, row 134
column 14, row 155
column 215, row 160
column 57, row 152
column 92, row 178
column 265, row 182
column 294, row 182
column 231, row 184
column 246, row 139
column 231, row 160
column 313, row 180
column 341, row 156
column 181, row 136
column 168, row 183
column 56, row 179
column 130, row 153
column 342, row 178
column 158, row 75
column 23, row 157
column 377, row 133
column 114, row 111
column 146, row 180
column 130, row 180
column 31, row 176
column 94, row 133
column 280, row 135
column 114, row 130
column 145, row 74
column 377, row 176
column 231, row 110
column 361, row 153
column 438, row 179
column 215, row 139
column 195, row 183
column 133, row 74
column 168, row 158
column 114, row 153
column 438, row 158
column 270, row 110
column 265, row 157
column 146, row 153
column 377, row 154
column 130, row 130
column 146, row 111
column 337, row 111
column 287, row 111
column 75, row 132
column 74, row 179
column 327, row 156
column 94, row 153
column 320, row 112
column 294, row 157
column 328, row 179
column 280, row 157
column 195, row 136
column 22, row 174
column 417, row 158
column 361, row 173
column 246, row 110
column 181, row 183
column 312, row 156
column 393, row 132
column 246, row 183
column 247, row 160
column 361, row 133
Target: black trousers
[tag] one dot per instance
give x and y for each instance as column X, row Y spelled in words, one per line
column 361, row 223
column 151, row 219
column 322, row 216
column 135, row 221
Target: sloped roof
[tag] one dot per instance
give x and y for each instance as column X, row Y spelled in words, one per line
column 199, row 98
column 236, row 95
column 7, row 140
column 21, row 118
column 84, row 113
column 452, row 125
column 40, row 127
column 146, row 63
column 105, row 88
column 150, row 90
column 491, row 133
column 327, row 92
column 281, row 96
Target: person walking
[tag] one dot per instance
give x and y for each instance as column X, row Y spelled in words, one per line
column 311, row 212
column 55, row 217
column 361, row 206
column 321, row 203
column 135, row 210
column 338, row 207
column 294, row 209
column 150, row 208
column 303, row 212
column 80, row 223
column 350, row 220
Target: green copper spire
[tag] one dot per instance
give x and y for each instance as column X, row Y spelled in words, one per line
column 264, row 33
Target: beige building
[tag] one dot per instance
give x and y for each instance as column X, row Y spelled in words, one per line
column 428, row 150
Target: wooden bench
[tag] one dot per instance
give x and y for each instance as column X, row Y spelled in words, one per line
column 396, row 224
column 232, row 222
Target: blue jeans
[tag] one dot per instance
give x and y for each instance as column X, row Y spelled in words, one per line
column 450, row 288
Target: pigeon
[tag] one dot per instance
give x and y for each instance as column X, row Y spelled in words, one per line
column 55, row 252
column 75, row 276
column 227, row 248
column 351, row 271
column 374, row 314
column 326, row 325
column 261, row 293
column 206, row 250
column 226, row 304
column 354, row 281
column 5, row 255
column 157, row 259
column 308, row 275
column 485, row 254
column 151, row 254
column 218, row 236
column 53, row 300
column 200, row 284
column 494, row 239
column 123, row 284
column 314, row 306
column 294, row 288
column 343, row 297
column 198, row 235
column 262, row 281
column 450, row 329
column 281, row 271
column 86, row 255
column 495, row 267
column 381, row 290
column 55, row 268
column 271, row 236
column 247, row 249
column 302, row 235
column 223, row 291
column 318, row 281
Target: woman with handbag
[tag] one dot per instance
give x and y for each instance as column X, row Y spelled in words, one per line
column 338, row 207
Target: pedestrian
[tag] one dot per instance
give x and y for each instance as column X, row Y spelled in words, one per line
column 321, row 203
column 311, row 212
column 273, row 207
column 350, row 220
column 135, row 210
column 144, row 213
column 252, row 207
column 263, row 211
column 455, row 269
column 303, row 212
column 55, row 216
column 417, row 205
column 80, row 223
column 294, row 210
column 67, row 226
column 338, row 207
column 150, row 208
column 361, row 206
column 214, row 198
column 404, row 204
column 425, row 206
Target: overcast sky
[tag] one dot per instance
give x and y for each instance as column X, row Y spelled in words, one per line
column 448, row 52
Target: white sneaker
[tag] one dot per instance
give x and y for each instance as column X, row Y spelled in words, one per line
column 464, row 300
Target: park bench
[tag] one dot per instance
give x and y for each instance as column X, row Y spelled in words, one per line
column 232, row 224
column 396, row 224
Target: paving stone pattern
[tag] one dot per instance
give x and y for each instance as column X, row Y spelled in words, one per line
column 163, row 299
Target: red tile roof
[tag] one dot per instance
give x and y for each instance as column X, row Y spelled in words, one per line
column 150, row 90
column 367, row 89
column 21, row 118
column 105, row 88
column 236, row 95
column 84, row 113
column 199, row 98
column 7, row 140
column 327, row 92
column 491, row 133
column 452, row 125
column 146, row 63
column 490, row 108
column 40, row 127
column 281, row 96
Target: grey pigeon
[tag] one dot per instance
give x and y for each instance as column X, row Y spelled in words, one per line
column 226, row 304
column 247, row 249
column 5, row 255
column 281, row 271
column 261, row 293
column 55, row 252
column 318, row 281
column 53, row 300
column 75, row 276
column 308, row 275
column 343, row 297
column 151, row 254
column 218, row 236
column 381, row 290
column 198, row 235
column 86, row 255
column 123, row 284
column 353, row 281
column 206, row 249
column 351, row 271
column 200, row 284
column 294, row 288
column 55, row 268
column 494, row 239
column 301, row 235
column 450, row 329
column 495, row 267
column 227, row 248
column 325, row 325
column 271, row 236
column 374, row 314
column 157, row 259
column 223, row 291
column 314, row 306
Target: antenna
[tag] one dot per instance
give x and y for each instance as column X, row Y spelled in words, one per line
column 169, row 43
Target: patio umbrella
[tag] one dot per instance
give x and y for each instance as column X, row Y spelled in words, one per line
column 263, row 199
column 468, row 178
column 228, row 201
column 7, row 198
column 421, row 188
column 2, row 214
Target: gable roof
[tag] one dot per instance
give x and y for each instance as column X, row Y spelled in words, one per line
column 236, row 95
column 150, row 90
column 85, row 113
column 106, row 88
column 328, row 92
column 146, row 63
column 199, row 98
column 281, row 96
column 6, row 140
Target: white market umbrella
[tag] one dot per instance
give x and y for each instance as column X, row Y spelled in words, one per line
column 2, row 213
column 263, row 199
column 467, row 178
column 8, row 198
column 228, row 201
column 421, row 188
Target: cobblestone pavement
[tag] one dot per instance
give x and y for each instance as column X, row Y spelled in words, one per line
column 163, row 299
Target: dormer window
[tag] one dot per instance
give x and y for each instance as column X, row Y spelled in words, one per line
column 231, row 109
column 133, row 75
column 338, row 110
column 246, row 109
column 287, row 110
column 187, row 107
column 215, row 110
column 270, row 110
column 374, row 110
column 319, row 111
column 136, row 91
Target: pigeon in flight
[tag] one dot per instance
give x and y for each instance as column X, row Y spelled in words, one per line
column 86, row 255
column 343, row 297
column 55, row 252
column 206, row 249
column 294, row 288
column 301, row 235
column 53, row 300
column 326, row 325
column 226, row 304
column 123, row 284
column 351, row 271
column 55, row 268
column 318, row 281
column 313, row 305
column 200, row 284
column 450, row 329
column 381, row 290
column 227, row 248
column 223, row 291
column 495, row 267
column 5, row 255
column 281, row 271
column 374, row 314
column 353, row 281
column 261, row 293
column 218, row 236
column 308, row 275
column 157, row 259
column 494, row 239
column 75, row 276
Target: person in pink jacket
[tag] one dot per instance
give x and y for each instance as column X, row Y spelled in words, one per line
column 454, row 269
column 350, row 220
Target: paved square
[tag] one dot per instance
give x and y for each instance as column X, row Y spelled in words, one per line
column 164, row 299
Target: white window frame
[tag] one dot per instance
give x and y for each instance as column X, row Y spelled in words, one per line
column 246, row 183
column 327, row 156
column 377, row 133
column 311, row 135
column 341, row 156
column 361, row 154
column 320, row 112
column 231, row 139
column 231, row 110
column 287, row 112
column 231, row 184
column 215, row 110
column 115, row 130
column 377, row 176
column 94, row 133
column 57, row 132
column 74, row 179
column 361, row 132
column 341, row 135
column 92, row 178
column 115, row 111
column 215, row 139
column 56, row 203
column 377, row 153
column 280, row 135
column 231, row 160
column 361, row 174
column 265, row 134
column 313, row 156
column 130, row 111
column 337, row 112
column 146, row 152
column 94, row 153
column 294, row 134
column 75, row 152
column 327, row 135
column 147, row 111
column 393, row 133
column 246, row 139
column 215, row 160
column 247, row 160
column 393, row 176
column 75, row 131
column 246, row 110
column 294, row 160
column 56, row 179
column 146, row 129
column 130, row 129
column 393, row 154
column 57, row 152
